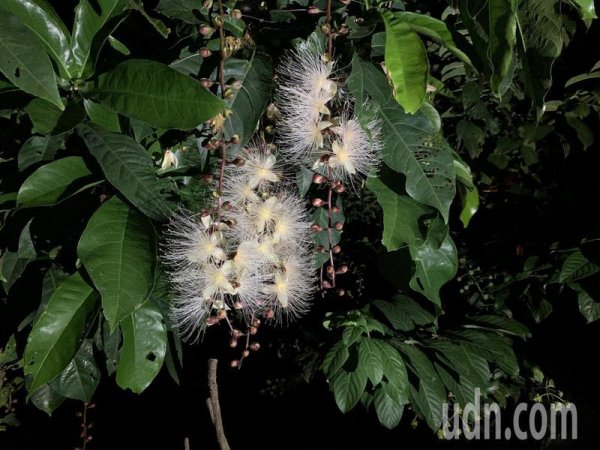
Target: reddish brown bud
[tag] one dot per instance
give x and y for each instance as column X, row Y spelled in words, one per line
column 207, row 178
column 205, row 30
column 204, row 52
column 236, row 14
column 325, row 284
column 252, row 330
column 236, row 333
column 269, row 314
column 256, row 322
column 233, row 343
column 313, row 10
column 342, row 269
column 339, row 189
column 317, row 202
column 207, row 83
column 226, row 206
column 318, row 178
column 335, row 209
column 336, row 249
column 330, row 269
column 211, row 321
column 222, row 314
column 338, row 226
column 340, row 292
column 245, row 353
column 235, row 363
column 237, row 161
column 255, row 346
column 235, row 139
column 320, row 249
column 315, row 227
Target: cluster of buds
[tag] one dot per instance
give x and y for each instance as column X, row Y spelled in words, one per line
column 318, row 132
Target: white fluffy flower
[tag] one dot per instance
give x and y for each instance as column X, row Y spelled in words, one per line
column 354, row 151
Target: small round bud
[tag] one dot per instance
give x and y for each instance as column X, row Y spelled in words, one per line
column 218, row 21
column 236, row 14
column 320, row 249
column 212, row 320
column 313, row 10
column 318, row 178
column 235, row 139
column 270, row 129
column 336, row 249
column 325, row 284
column 236, row 333
column 238, row 305
column 315, row 227
column 335, row 209
column 317, row 202
column 233, row 343
column 269, row 314
column 206, row 30
column 255, row 346
column 238, row 161
column 222, row 314
column 206, row 83
column 217, row 194
column 204, row 52
column 340, row 292
column 342, row 269
column 256, row 322
column 338, row 226
column 208, row 179
column 227, row 207
column 245, row 353
column 235, row 363
column 252, row 330
column 330, row 269
column 325, row 28
column 340, row 189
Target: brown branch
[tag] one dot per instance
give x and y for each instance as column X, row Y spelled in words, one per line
column 214, row 406
column 329, row 30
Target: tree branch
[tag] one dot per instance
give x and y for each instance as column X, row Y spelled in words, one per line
column 214, row 406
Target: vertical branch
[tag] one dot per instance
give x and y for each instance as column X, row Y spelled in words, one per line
column 331, row 269
column 329, row 29
column 222, row 143
column 214, row 406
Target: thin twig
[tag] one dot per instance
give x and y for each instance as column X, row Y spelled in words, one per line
column 214, row 405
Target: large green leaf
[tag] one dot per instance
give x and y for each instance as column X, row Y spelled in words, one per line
column 54, row 182
column 335, row 358
column 576, row 267
column 94, row 21
column 494, row 348
column 348, row 387
column 502, row 40
column 46, row 399
column 48, row 119
column 103, row 116
column 251, row 99
column 406, row 62
column 118, row 250
column 371, row 357
column 404, row 313
column 586, row 8
column 13, row 264
column 190, row 11
column 388, row 407
column 589, row 308
column 37, row 149
column 155, row 93
column 42, row 20
column 24, row 61
column 144, row 347
column 57, row 334
column 402, row 216
column 80, row 378
column 434, row 29
column 128, row 167
column 436, row 262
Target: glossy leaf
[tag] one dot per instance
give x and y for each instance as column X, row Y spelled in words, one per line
column 589, row 308
column 118, row 250
column 48, row 119
column 388, row 408
column 80, row 378
column 502, row 40
column 102, row 116
column 144, row 347
column 335, row 358
column 54, row 182
column 406, row 63
column 42, row 20
column 128, row 167
column 189, row 11
column 13, row 264
column 57, row 334
column 348, row 387
column 93, row 23
column 251, row 99
column 155, row 93
column 371, row 357
column 505, row 324
column 38, row 149
column 404, row 313
column 577, row 266
column 586, row 8
column 46, row 399
column 24, row 60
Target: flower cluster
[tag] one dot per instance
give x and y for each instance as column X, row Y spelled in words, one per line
column 253, row 256
column 312, row 131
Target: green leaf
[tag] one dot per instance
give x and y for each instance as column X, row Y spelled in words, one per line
column 128, row 167
column 24, row 60
column 348, row 387
column 493, row 347
column 189, row 11
column 387, row 407
column 48, row 119
column 93, row 23
column 589, row 308
column 503, row 37
column 406, row 63
column 46, row 399
column 118, row 250
column 118, row 46
column 404, row 313
column 584, row 133
column 586, row 8
column 250, row 100
column 13, row 264
column 144, row 347
column 38, row 149
column 42, row 20
column 505, row 324
column 103, row 116
column 371, row 357
column 367, row 82
column 57, row 334
column 394, row 371
column 434, row 29
column 576, row 267
column 402, row 216
column 335, row 358
column 54, row 182
column 155, row 93
column 80, row 378
column 436, row 262
column 470, row 204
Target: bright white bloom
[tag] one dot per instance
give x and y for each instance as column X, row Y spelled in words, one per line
column 262, row 214
column 291, row 225
column 260, row 169
column 216, row 280
column 354, row 151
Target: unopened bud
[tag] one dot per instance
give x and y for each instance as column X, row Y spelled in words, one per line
column 212, row 320
column 227, row 207
column 206, row 83
column 270, row 129
column 342, row 269
column 217, row 194
column 236, row 14
column 338, row 226
column 325, row 28
column 245, row 353
column 206, row 30
column 315, row 227
column 335, row 209
column 208, row 179
column 256, row 322
column 222, row 314
column 238, row 305
column 255, row 346
column 218, row 21
column 330, row 269
column 313, row 10
column 235, row 363
column 236, row 333
column 325, row 284
column 252, row 330
column 336, row 249
column 340, row 292
column 317, row 202
column 235, row 139
column 204, row 52
column 237, row 161
column 318, row 178
column 320, row 249
column 233, row 343
column 339, row 189
column 269, row 314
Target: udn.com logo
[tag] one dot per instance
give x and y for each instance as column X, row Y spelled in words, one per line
column 477, row 421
